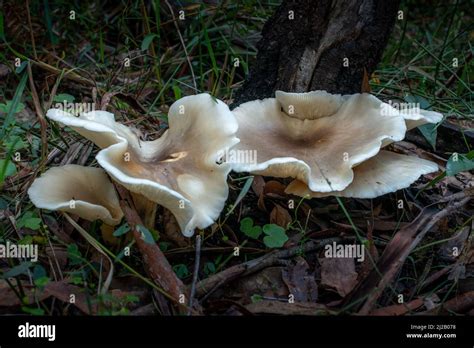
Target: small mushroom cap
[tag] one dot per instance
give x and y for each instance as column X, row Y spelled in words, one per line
column 83, row 191
column 384, row 173
column 310, row 105
column 180, row 170
column 319, row 152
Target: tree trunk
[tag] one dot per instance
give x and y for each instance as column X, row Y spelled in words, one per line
column 319, row 44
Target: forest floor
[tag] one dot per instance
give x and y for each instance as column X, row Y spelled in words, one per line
column 135, row 60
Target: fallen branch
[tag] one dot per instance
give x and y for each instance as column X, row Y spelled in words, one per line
column 395, row 254
column 158, row 266
column 252, row 266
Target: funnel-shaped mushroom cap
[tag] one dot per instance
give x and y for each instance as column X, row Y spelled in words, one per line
column 320, row 152
column 179, row 170
column 384, row 173
column 83, row 191
column 310, row 105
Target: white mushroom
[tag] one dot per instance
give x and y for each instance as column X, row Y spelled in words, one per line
column 419, row 117
column 83, row 191
column 179, row 170
column 319, row 150
column 384, row 173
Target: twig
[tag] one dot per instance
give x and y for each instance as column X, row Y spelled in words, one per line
column 158, row 266
column 196, row 272
column 39, row 112
column 246, row 268
column 395, row 254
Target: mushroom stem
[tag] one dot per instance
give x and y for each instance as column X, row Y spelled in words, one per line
column 145, row 208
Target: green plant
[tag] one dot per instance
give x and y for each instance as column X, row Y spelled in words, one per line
column 275, row 236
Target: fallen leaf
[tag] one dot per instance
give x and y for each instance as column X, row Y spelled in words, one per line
column 280, row 216
column 258, row 184
column 300, row 282
column 338, row 273
column 65, row 292
column 267, row 282
column 274, row 189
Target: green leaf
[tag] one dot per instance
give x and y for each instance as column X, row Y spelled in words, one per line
column 147, row 41
column 275, row 236
column 177, row 92
column 181, row 270
column 430, row 132
column 64, row 97
column 256, row 298
column 41, row 282
column 9, row 119
column 22, row 268
column 121, row 230
column 146, row 234
column 14, row 143
column 7, row 168
column 29, row 220
column 33, row 311
column 247, row 227
column 5, row 107
column 209, row 268
column 164, row 246
column 74, row 255
column 460, row 163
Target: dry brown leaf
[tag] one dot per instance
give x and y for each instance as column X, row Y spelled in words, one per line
column 59, row 254
column 258, row 184
column 274, row 189
column 300, row 282
column 66, row 292
column 339, row 274
column 280, row 216
column 268, row 282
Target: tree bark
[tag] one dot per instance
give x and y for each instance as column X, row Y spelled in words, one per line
column 319, row 44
